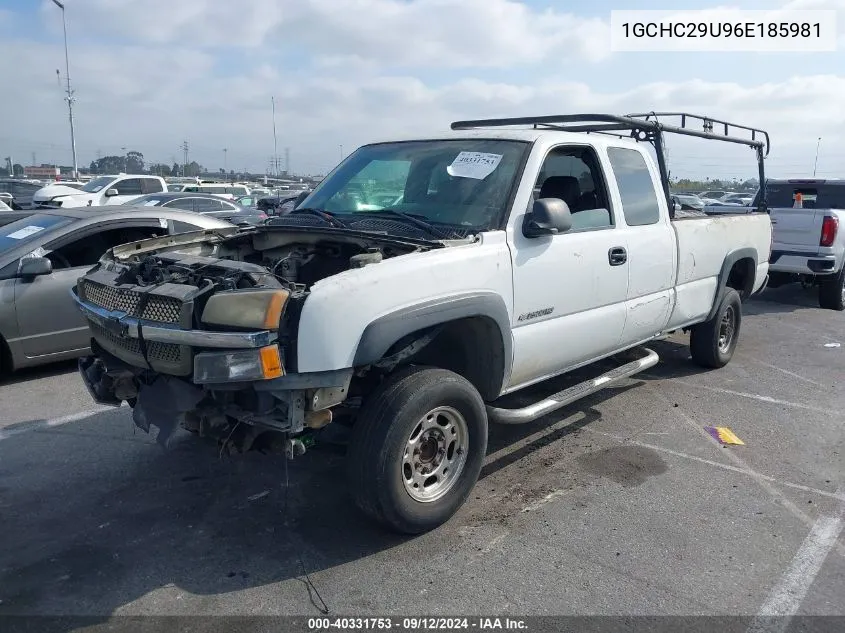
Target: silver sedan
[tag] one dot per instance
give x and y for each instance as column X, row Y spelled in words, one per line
column 41, row 257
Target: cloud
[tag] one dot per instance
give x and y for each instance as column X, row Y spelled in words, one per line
column 150, row 75
column 151, row 98
column 450, row 33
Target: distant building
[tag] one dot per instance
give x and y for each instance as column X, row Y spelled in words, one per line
column 42, row 171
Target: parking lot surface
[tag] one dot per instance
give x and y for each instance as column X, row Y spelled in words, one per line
column 618, row 504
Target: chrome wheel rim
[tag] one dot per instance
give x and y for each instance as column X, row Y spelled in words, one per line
column 435, row 454
column 727, row 328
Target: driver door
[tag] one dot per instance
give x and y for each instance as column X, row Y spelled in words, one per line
column 48, row 320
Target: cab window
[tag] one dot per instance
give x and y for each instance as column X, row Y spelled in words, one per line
column 572, row 173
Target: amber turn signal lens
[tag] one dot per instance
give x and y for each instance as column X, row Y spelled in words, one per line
column 271, row 362
column 274, row 309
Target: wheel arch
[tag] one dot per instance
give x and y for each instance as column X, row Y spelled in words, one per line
column 739, row 271
column 473, row 338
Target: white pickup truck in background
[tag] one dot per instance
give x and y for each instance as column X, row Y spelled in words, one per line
column 101, row 191
column 808, row 216
column 511, row 253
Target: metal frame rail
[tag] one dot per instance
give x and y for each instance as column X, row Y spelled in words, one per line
column 647, row 127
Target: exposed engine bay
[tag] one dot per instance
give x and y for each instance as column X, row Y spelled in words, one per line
column 159, row 281
column 271, row 259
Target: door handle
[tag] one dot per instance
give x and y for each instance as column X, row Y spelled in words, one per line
column 617, row 256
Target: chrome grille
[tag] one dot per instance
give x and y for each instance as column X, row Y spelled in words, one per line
column 158, row 308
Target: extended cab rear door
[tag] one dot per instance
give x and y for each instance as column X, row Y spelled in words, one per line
column 651, row 244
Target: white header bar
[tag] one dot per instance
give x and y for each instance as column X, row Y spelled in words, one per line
column 723, row 30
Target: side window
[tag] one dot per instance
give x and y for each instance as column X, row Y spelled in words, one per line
column 573, row 174
column 207, row 205
column 151, row 185
column 186, row 204
column 87, row 250
column 129, row 187
column 184, row 227
column 636, row 188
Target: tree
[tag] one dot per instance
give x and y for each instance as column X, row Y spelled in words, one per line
column 108, row 164
column 18, row 169
column 134, row 162
column 193, row 169
column 174, row 171
column 160, row 169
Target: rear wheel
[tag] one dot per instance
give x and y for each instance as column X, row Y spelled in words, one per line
column 417, row 449
column 832, row 292
column 713, row 342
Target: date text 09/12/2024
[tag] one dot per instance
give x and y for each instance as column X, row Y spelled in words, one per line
column 417, row 624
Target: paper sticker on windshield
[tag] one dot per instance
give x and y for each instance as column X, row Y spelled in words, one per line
column 162, row 222
column 151, row 203
column 476, row 165
column 25, row 232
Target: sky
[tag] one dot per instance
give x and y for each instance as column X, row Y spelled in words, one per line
column 149, row 75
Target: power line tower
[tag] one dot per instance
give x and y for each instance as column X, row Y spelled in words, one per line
column 184, row 148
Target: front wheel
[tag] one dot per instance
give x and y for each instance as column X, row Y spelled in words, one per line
column 832, row 291
column 713, row 342
column 417, row 449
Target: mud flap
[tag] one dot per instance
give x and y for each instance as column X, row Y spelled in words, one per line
column 163, row 404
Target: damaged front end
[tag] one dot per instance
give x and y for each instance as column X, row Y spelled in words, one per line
column 201, row 334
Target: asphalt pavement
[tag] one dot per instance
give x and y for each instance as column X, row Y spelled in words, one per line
column 620, row 504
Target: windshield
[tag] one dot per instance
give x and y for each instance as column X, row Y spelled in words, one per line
column 98, row 183
column 462, row 183
column 28, row 229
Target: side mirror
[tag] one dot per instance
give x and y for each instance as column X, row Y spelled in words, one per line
column 111, row 192
column 548, row 216
column 35, row 267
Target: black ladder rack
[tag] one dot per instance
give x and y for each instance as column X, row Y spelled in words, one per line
column 646, row 127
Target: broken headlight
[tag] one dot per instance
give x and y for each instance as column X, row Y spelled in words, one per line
column 256, row 309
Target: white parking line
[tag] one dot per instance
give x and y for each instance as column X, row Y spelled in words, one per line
column 752, row 396
column 786, row 371
column 839, row 496
column 786, row 596
column 46, row 424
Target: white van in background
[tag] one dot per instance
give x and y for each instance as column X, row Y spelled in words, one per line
column 223, row 189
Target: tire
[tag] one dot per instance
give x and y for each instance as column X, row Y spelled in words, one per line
column 417, row 419
column 713, row 342
column 832, row 292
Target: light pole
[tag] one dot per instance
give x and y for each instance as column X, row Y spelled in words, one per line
column 816, row 164
column 125, row 159
column 69, row 98
column 225, row 172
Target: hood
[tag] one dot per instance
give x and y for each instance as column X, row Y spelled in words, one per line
column 51, row 191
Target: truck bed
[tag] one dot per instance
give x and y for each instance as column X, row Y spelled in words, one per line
column 702, row 244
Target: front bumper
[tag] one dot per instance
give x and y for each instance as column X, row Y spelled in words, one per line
column 167, row 348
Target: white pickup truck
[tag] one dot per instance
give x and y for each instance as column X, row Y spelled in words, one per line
column 513, row 253
column 808, row 216
column 98, row 192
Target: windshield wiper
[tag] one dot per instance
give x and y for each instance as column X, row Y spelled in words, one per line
column 327, row 217
column 413, row 219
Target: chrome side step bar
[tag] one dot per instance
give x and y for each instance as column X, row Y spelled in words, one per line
column 570, row 395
